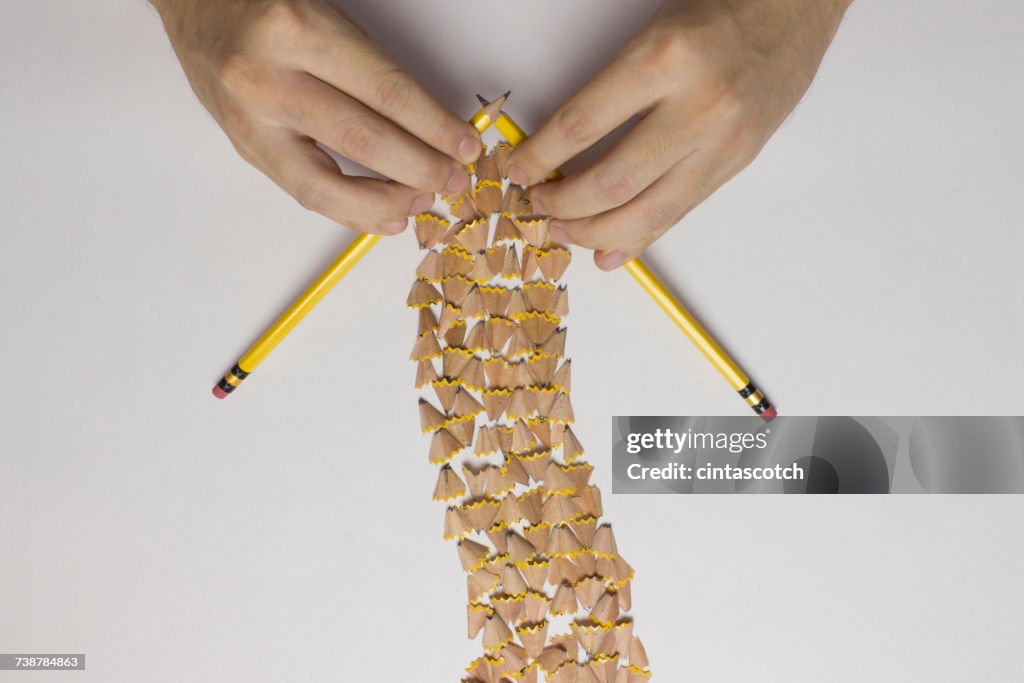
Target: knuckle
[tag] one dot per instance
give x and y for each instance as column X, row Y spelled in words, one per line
column 730, row 106
column 731, row 117
column 236, row 123
column 439, row 174
column 432, row 174
column 615, row 186
column 396, row 210
column 446, row 134
column 360, row 140
column 240, row 73
column 282, row 19
column 293, row 108
column 744, row 143
column 379, row 205
column 664, row 48
column 574, row 124
column 311, row 194
column 392, row 87
column 660, row 216
column 643, row 245
column 658, row 151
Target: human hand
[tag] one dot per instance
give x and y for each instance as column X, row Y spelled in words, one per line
column 281, row 75
column 711, row 81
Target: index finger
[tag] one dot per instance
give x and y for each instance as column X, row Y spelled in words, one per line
column 601, row 106
column 391, row 91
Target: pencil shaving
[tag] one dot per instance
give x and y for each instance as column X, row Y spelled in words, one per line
column 531, row 265
column 445, row 393
column 537, row 603
column 534, row 230
column 510, row 268
column 431, row 268
column 520, row 503
column 443, row 447
column 425, row 373
column 509, row 607
column 501, row 152
column 473, row 304
column 496, row 299
column 429, row 229
column 455, row 289
column 487, row 197
column 553, row 262
column 487, row 168
column 538, row 295
column 512, row 581
column 454, row 526
column 454, row 361
column 496, row 258
column 536, row 573
column 516, row 202
column 476, row 617
column 456, row 262
column 449, row 486
column 462, row 428
column 474, row 479
column 505, row 232
column 476, row 340
column 423, row 294
column 473, row 236
column 464, row 209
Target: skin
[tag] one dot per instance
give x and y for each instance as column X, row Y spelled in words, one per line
column 710, row 81
column 280, row 76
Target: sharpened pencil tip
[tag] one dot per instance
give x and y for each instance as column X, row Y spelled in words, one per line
column 507, row 93
column 492, row 110
column 483, row 101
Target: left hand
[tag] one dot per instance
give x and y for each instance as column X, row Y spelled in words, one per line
column 711, row 81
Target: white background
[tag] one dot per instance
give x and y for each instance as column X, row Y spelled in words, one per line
column 867, row 263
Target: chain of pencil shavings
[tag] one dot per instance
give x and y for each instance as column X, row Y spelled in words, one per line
column 548, row 592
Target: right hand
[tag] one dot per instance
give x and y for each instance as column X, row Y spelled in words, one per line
column 280, row 76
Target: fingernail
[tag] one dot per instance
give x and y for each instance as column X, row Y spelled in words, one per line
column 469, row 149
column 516, row 175
column 392, row 227
column 422, row 203
column 458, row 183
column 610, row 260
column 558, row 234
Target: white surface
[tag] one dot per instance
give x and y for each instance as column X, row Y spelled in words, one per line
column 172, row 537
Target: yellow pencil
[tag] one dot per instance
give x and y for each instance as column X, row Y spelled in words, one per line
column 491, row 114
column 287, row 321
column 704, row 342
column 700, row 337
